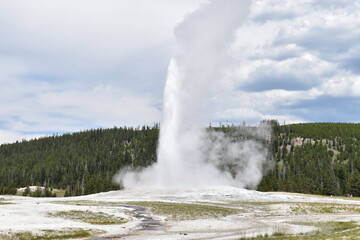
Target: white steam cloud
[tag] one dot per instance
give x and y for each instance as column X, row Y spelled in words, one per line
column 189, row 155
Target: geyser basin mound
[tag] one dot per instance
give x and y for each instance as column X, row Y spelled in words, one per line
column 220, row 193
column 218, row 213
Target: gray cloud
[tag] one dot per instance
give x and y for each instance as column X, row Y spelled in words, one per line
column 335, row 109
column 352, row 64
column 67, row 66
column 62, row 63
column 292, row 54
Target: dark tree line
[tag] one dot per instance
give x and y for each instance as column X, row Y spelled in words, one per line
column 81, row 163
column 319, row 158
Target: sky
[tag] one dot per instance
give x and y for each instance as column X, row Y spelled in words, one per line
column 67, row 66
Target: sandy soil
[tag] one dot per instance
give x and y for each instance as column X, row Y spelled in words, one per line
column 259, row 213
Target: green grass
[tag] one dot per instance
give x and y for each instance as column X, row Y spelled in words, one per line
column 329, row 197
column 4, row 201
column 59, row 192
column 325, row 208
column 335, row 227
column 304, row 207
column 5, row 237
column 97, row 218
column 257, row 203
column 90, row 203
column 326, row 231
column 178, row 211
column 71, row 233
column 183, row 211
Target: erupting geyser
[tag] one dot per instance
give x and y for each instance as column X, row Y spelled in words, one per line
column 184, row 157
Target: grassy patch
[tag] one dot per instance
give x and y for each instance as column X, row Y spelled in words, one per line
column 71, row 233
column 5, row 237
column 325, row 208
column 259, row 207
column 4, row 201
column 326, row 231
column 59, row 192
column 183, row 211
column 257, row 203
column 335, row 227
column 97, row 218
column 89, row 203
column 329, row 197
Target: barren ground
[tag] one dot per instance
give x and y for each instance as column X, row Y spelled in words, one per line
column 222, row 213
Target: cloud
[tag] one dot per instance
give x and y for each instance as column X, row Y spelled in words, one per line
column 67, row 66
column 292, row 60
column 37, row 106
column 235, row 115
column 9, row 136
column 344, row 84
column 279, row 11
column 64, row 63
column 297, row 73
column 334, row 109
column 88, row 39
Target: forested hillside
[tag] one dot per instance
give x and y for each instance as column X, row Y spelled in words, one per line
column 320, row 158
column 81, row 163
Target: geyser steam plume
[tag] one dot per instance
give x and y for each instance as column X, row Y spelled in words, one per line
column 184, row 159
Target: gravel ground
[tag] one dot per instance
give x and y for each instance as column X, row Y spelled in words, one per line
column 259, row 213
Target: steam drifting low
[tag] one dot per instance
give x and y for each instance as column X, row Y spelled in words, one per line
column 189, row 155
